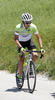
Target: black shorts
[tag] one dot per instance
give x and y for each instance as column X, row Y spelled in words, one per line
column 29, row 44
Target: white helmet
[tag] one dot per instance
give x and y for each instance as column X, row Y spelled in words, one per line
column 27, row 17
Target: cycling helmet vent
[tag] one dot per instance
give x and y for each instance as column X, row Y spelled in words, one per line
column 27, row 17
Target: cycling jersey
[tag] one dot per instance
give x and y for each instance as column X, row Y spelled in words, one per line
column 25, row 34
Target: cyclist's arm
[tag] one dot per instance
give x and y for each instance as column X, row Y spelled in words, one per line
column 39, row 40
column 16, row 40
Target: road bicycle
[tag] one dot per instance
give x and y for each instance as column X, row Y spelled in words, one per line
column 29, row 73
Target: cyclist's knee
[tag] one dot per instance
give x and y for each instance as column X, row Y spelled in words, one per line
column 35, row 56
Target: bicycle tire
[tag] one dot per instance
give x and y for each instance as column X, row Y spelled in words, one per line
column 28, row 77
column 17, row 74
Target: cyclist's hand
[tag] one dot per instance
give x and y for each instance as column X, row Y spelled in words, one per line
column 23, row 50
column 42, row 51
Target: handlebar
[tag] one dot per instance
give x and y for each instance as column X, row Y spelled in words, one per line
column 30, row 51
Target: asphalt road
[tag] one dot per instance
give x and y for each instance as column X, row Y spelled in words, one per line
column 45, row 89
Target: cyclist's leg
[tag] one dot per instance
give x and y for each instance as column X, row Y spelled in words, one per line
column 20, row 67
column 21, row 61
column 31, row 46
column 35, row 56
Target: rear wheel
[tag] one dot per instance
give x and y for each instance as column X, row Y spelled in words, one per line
column 31, row 77
column 17, row 77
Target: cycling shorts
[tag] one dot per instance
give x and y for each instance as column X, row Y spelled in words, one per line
column 29, row 44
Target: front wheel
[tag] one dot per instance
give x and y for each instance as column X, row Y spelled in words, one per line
column 31, row 77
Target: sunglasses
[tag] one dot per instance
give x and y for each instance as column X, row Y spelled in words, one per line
column 28, row 22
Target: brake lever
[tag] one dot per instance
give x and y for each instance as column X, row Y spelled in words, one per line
column 41, row 56
column 22, row 55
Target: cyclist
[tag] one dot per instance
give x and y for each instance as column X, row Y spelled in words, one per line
column 23, row 38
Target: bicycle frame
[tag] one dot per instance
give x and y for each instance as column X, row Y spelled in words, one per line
column 28, row 65
column 30, row 59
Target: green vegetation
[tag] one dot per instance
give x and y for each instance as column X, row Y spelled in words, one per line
column 43, row 12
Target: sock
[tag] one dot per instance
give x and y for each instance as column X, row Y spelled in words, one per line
column 20, row 76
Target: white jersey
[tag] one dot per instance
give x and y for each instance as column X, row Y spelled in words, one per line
column 25, row 35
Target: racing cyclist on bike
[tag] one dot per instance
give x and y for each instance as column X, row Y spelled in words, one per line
column 23, row 38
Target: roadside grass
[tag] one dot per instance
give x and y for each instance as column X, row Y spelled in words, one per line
column 43, row 12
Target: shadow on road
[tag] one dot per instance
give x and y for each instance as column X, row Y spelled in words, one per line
column 14, row 89
column 53, row 94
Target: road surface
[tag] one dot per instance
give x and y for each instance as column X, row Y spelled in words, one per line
column 45, row 89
